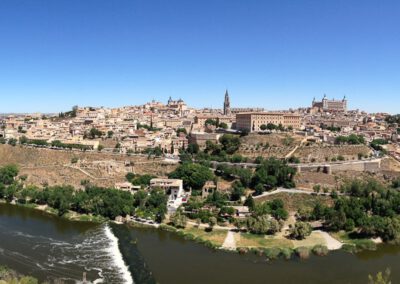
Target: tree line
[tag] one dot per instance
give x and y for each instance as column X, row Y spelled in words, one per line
column 98, row 201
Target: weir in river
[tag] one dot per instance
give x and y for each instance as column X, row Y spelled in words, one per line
column 47, row 247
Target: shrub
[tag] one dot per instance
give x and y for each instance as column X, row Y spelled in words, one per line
column 320, row 250
column 286, row 253
column 303, row 252
column 272, row 253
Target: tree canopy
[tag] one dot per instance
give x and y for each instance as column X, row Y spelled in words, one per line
column 194, row 176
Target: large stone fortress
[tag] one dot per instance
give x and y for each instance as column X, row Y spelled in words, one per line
column 331, row 105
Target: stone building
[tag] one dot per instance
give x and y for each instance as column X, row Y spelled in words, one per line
column 252, row 121
column 331, row 105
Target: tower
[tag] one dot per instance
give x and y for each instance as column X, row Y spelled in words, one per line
column 227, row 104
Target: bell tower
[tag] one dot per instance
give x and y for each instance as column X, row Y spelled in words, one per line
column 227, row 104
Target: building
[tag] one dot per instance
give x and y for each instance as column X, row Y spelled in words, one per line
column 179, row 106
column 236, row 110
column 127, row 186
column 227, row 104
column 331, row 105
column 172, row 187
column 252, row 121
column 201, row 138
column 200, row 120
column 209, row 188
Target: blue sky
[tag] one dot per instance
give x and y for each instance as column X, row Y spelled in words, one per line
column 275, row 54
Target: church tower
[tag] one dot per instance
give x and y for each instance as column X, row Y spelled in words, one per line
column 227, row 104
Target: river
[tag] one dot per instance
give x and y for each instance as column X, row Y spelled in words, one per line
column 48, row 247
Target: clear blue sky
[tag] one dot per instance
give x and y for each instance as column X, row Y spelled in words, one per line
column 276, row 54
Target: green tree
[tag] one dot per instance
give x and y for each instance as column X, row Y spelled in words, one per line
column 193, row 175
column 223, row 125
column 178, row 219
column 380, row 278
column 8, row 174
column 230, row 143
column 301, row 230
column 263, row 225
column 237, row 191
column 210, row 121
column 212, row 222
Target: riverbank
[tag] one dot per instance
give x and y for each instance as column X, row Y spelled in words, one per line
column 65, row 249
column 8, row 275
column 229, row 239
column 273, row 247
column 70, row 215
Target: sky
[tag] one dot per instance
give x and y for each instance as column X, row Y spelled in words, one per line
column 272, row 54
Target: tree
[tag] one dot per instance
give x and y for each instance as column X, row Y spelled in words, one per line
column 210, row 121
column 193, row 175
column 181, row 130
column 271, row 126
column 94, row 132
column 178, row 219
column 100, row 148
column 230, row 143
column 259, row 189
column 8, row 174
column 237, row 191
column 223, row 125
column 263, row 225
column 317, row 188
column 74, row 111
column 396, row 183
column 263, row 127
column 193, row 148
column 23, row 140
column 110, row 133
column 249, row 202
column 142, row 180
column 273, row 172
column 380, row 278
column 12, row 142
column 301, row 230
column 212, row 222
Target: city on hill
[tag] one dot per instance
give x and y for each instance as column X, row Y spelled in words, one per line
column 290, row 175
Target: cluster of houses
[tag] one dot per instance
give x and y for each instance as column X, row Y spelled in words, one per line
column 154, row 125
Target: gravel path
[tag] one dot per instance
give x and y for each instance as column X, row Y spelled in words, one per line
column 230, row 242
column 331, row 243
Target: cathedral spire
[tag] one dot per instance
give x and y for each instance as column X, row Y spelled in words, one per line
column 227, row 104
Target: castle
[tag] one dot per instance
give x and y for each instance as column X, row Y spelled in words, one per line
column 331, row 105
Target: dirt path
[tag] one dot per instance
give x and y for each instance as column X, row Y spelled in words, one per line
column 331, row 243
column 230, row 241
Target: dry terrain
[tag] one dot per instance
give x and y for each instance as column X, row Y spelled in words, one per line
column 270, row 145
column 45, row 166
column 323, row 153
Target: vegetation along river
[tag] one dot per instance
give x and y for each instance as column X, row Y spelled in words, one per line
column 47, row 247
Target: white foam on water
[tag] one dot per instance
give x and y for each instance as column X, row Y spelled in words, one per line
column 117, row 256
